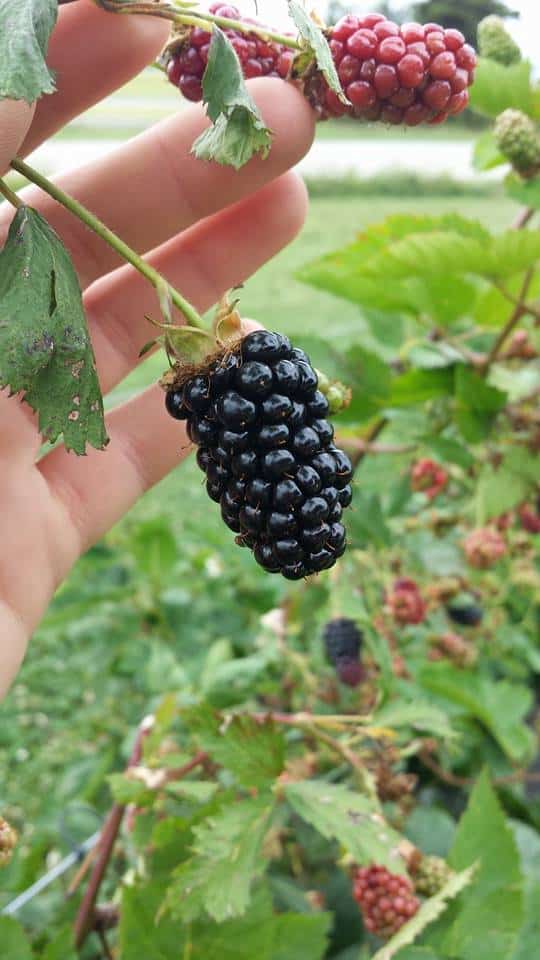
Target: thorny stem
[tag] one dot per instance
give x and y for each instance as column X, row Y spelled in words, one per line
column 10, row 195
column 519, row 310
column 76, row 208
column 200, row 19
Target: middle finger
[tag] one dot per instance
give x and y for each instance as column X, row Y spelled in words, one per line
column 153, row 187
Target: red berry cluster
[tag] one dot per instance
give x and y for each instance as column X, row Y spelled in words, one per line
column 411, row 74
column 428, row 477
column 258, row 57
column 386, row 900
column 405, row 602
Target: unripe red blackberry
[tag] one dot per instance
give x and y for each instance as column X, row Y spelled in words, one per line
column 484, row 547
column 405, row 602
column 343, row 642
column 386, row 900
column 411, row 74
column 258, row 418
column 428, row 477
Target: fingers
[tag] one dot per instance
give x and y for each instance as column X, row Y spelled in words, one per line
column 204, row 262
column 92, row 53
column 153, row 187
column 15, row 118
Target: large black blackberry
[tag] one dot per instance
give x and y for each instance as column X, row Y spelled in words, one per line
column 258, row 419
column 343, row 642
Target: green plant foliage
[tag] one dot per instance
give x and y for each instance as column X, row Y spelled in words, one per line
column 26, row 27
column 45, row 346
column 497, row 88
column 238, row 131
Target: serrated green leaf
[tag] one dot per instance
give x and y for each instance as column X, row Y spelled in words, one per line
column 477, row 404
column 367, row 525
column 45, row 348
column 254, row 751
column 238, row 131
column 26, row 28
column 429, row 911
column 125, row 790
column 500, row 706
column 496, row 87
column 227, row 858
column 351, row 818
column 502, row 489
column 317, row 42
column 242, row 938
column 490, row 915
column 529, row 935
column 486, row 154
column 141, row 934
column 526, row 192
column 15, row 946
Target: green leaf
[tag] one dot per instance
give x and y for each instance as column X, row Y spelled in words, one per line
column 499, row 705
column 497, row 87
column 431, row 829
column 301, row 936
column 450, row 451
column 154, row 548
column 61, row 946
column 238, row 131
column 429, row 911
column 418, row 953
column 242, row 938
column 254, row 751
column 486, row 155
column 140, row 933
column 367, row 526
column 227, row 857
column 15, row 946
column 491, row 914
column 477, row 404
column 420, row 386
column 363, row 371
column 125, row 790
column 350, row 818
column 503, row 488
column 26, row 28
column 45, row 348
column 526, row 192
column 529, row 935
column 417, row 716
column 317, row 42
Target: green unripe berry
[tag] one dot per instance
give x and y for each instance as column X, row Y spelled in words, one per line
column 495, row 43
column 518, row 139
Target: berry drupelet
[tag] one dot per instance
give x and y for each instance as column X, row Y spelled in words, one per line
column 408, row 75
column 343, row 642
column 267, row 450
column 386, row 900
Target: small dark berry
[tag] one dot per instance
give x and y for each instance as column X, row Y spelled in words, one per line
column 314, row 511
column 234, row 411
column 245, row 464
column 273, row 435
column 262, row 345
column 308, row 480
column 282, row 525
column 174, row 403
column 265, row 556
column 294, row 571
column 345, row 496
column 197, row 394
column 235, row 442
column 307, row 385
column 287, row 495
column 318, row 405
column 254, row 379
column 286, row 376
column 325, row 465
column 325, row 430
column 216, row 473
column 259, row 492
column 288, row 550
column 276, row 463
column 306, row 442
column 276, row 408
column 251, row 518
column 203, row 458
column 214, row 490
column 314, row 538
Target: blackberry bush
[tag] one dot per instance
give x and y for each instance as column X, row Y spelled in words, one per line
column 411, row 74
column 259, row 421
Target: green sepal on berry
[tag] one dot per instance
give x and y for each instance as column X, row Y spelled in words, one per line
column 518, row 139
column 495, row 43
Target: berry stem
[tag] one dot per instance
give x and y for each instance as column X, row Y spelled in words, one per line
column 78, row 210
column 200, row 19
column 10, row 195
column 523, row 218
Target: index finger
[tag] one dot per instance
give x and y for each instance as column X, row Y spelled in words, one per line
column 15, row 119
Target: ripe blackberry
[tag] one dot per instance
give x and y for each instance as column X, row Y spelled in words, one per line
column 469, row 615
column 268, row 454
column 410, row 74
column 343, row 641
column 386, row 900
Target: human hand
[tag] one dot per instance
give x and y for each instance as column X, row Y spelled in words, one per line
column 207, row 227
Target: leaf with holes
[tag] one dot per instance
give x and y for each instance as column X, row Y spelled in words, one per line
column 45, row 348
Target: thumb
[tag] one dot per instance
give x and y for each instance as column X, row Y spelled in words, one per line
column 15, row 119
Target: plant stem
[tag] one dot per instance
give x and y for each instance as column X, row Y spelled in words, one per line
column 200, row 19
column 10, row 195
column 76, row 208
column 523, row 217
column 519, row 310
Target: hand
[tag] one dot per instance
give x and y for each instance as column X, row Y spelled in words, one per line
column 207, row 227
